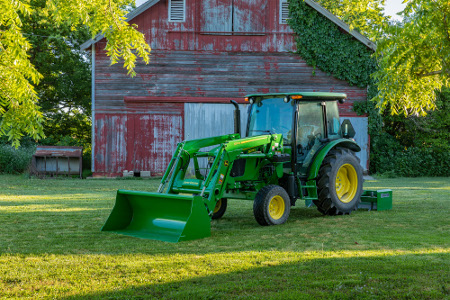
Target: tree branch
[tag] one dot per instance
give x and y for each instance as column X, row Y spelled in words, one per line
column 433, row 73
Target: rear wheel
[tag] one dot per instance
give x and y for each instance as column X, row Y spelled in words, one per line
column 339, row 184
column 271, row 206
column 219, row 210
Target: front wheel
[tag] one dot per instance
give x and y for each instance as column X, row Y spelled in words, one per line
column 271, row 206
column 339, row 184
column 219, row 210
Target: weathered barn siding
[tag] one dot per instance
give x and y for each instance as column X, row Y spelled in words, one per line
column 214, row 74
column 224, row 50
column 216, row 25
column 141, row 137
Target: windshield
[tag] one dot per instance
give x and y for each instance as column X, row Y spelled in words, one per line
column 269, row 116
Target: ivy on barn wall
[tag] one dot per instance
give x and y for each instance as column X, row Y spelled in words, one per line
column 322, row 44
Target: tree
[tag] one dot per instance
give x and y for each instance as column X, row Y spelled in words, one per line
column 414, row 58
column 65, row 89
column 19, row 112
column 365, row 16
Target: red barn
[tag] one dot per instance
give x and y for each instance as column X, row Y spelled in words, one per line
column 203, row 54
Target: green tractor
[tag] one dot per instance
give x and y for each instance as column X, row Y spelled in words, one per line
column 295, row 149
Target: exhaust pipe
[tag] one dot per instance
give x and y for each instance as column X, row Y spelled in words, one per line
column 237, row 117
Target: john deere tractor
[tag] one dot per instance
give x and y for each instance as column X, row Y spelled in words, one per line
column 295, row 149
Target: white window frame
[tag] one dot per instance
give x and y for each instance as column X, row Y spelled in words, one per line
column 170, row 12
column 283, row 21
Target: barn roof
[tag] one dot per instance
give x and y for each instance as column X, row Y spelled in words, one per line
column 311, row 3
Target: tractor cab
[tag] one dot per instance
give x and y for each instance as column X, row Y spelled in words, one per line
column 307, row 121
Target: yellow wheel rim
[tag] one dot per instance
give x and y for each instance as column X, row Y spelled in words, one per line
column 276, row 207
column 218, row 205
column 346, row 183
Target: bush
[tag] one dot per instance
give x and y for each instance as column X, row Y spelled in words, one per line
column 412, row 162
column 15, row 161
column 410, row 147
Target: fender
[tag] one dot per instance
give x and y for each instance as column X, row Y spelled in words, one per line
column 322, row 153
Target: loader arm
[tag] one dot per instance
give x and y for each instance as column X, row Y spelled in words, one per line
column 227, row 150
column 183, row 206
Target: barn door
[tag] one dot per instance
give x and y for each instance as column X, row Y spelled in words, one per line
column 228, row 16
column 154, row 130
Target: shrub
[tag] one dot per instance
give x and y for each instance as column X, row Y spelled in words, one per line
column 412, row 162
column 15, row 161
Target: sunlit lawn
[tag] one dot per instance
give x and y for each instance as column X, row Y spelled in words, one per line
column 51, row 247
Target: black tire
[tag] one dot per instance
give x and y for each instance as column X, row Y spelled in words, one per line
column 271, row 206
column 219, row 210
column 340, row 183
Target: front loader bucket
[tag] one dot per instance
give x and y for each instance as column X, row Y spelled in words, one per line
column 156, row 216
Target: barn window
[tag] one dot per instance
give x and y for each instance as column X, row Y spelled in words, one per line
column 177, row 10
column 284, row 11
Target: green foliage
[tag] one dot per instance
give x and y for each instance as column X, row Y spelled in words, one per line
column 429, row 131
column 15, row 161
column 413, row 146
column 19, row 113
column 365, row 16
column 389, row 156
column 321, row 44
column 65, row 91
column 107, row 18
column 414, row 58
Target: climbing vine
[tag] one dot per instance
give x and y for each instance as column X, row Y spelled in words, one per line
column 322, row 44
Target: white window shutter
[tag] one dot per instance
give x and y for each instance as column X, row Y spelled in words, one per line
column 177, row 10
column 284, row 11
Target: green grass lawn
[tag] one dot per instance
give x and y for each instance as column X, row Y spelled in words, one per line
column 51, row 247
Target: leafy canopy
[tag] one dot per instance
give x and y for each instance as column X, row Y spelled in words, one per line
column 65, row 90
column 365, row 16
column 19, row 113
column 414, row 58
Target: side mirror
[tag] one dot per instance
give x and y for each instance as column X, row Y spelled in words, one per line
column 347, row 129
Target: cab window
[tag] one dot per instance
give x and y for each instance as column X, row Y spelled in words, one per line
column 333, row 124
column 269, row 116
column 310, row 124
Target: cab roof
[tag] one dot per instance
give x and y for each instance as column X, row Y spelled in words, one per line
column 305, row 95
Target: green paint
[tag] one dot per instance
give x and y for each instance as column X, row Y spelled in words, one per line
column 378, row 200
column 320, row 156
column 169, row 218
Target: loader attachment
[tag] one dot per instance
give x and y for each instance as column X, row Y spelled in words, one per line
column 157, row 216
